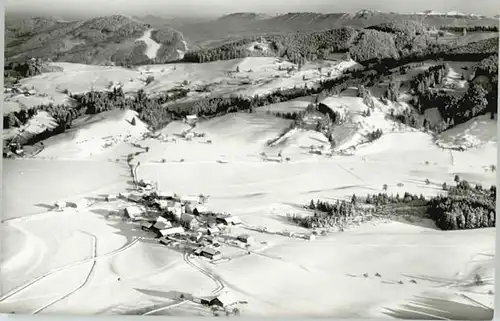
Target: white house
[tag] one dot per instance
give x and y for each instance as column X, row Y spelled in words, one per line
column 162, row 225
column 111, row 198
column 162, row 219
column 60, row 204
column 191, row 119
column 190, row 199
column 229, row 220
column 133, row 212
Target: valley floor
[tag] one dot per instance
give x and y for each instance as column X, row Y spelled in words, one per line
column 91, row 262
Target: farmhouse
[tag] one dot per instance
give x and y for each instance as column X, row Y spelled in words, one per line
column 199, row 210
column 245, row 238
column 210, row 253
column 189, row 221
column 228, row 220
column 213, row 231
column 60, row 204
column 177, row 211
column 223, row 300
column 135, row 197
column 161, row 225
column 162, row 219
column 165, row 195
column 172, row 231
column 204, row 301
column 133, row 212
column 162, row 204
column 191, row 119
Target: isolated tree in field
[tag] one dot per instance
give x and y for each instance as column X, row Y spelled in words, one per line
column 354, row 199
column 237, row 68
column 427, row 181
column 133, row 122
column 493, row 168
column 445, row 187
column 457, row 179
column 385, row 187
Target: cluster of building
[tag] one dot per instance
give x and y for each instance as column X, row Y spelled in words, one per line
column 20, row 91
column 173, row 219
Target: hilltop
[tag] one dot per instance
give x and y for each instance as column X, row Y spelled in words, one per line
column 116, row 39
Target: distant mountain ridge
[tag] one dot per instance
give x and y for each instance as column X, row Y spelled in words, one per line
column 115, row 39
column 232, row 27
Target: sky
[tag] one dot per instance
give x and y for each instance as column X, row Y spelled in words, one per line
column 169, row 8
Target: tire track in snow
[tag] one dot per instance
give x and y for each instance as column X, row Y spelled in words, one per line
column 220, row 285
column 87, row 278
column 65, row 267
column 165, row 307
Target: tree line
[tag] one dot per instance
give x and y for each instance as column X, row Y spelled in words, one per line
column 469, row 28
column 464, row 207
column 152, row 111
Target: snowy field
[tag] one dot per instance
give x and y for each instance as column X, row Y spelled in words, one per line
column 91, row 261
column 257, row 75
column 95, row 263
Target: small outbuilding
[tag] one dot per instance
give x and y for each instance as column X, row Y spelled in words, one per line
column 165, row 195
column 146, row 226
column 310, row 237
column 245, row 238
column 165, row 241
column 189, row 136
column 210, row 253
column 110, row 198
column 223, row 300
column 81, row 204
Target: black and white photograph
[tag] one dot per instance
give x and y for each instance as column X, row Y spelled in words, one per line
column 262, row 158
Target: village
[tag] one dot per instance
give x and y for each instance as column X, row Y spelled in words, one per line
column 184, row 224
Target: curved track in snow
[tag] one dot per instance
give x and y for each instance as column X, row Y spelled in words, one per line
column 87, row 278
column 65, row 267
